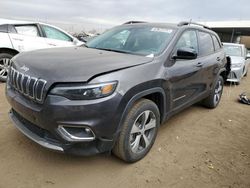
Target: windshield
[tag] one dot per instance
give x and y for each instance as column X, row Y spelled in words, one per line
column 232, row 50
column 140, row 40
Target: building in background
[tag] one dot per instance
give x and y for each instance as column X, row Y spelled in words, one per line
column 232, row 31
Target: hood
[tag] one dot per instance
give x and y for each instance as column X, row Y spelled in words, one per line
column 73, row 64
column 237, row 59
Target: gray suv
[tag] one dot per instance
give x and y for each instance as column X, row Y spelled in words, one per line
column 113, row 93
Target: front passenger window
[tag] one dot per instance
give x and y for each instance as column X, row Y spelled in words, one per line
column 188, row 40
column 54, row 33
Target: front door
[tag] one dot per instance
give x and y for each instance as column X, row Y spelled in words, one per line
column 185, row 76
column 56, row 38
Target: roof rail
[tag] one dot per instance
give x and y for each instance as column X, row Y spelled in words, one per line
column 134, row 22
column 193, row 23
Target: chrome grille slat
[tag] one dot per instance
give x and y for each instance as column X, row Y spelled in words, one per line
column 14, row 79
column 21, row 84
column 38, row 95
column 11, row 75
column 19, row 81
column 29, row 86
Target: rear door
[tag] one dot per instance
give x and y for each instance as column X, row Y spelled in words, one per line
column 55, row 37
column 211, row 56
column 185, row 75
column 27, row 37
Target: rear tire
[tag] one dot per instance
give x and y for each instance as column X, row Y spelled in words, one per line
column 237, row 83
column 4, row 65
column 138, row 131
column 213, row 99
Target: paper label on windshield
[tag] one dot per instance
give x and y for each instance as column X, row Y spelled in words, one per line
column 163, row 30
column 150, row 55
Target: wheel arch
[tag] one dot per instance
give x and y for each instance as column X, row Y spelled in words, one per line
column 224, row 73
column 157, row 95
column 9, row 51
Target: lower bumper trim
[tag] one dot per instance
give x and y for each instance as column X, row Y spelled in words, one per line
column 233, row 80
column 39, row 140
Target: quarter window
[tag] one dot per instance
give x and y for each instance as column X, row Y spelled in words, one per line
column 54, row 33
column 30, row 30
column 188, row 40
column 206, row 43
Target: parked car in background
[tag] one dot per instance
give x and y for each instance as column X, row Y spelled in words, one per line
column 239, row 61
column 85, row 37
column 113, row 94
column 19, row 36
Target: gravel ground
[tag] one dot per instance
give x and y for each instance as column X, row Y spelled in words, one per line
column 196, row 148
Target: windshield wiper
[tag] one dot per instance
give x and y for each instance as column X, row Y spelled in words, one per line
column 114, row 50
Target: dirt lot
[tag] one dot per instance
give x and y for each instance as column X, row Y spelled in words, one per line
column 196, row 148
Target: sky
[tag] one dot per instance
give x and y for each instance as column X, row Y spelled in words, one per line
column 78, row 15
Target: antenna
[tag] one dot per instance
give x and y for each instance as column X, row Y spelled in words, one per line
column 190, row 21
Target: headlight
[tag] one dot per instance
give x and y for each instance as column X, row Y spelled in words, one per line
column 85, row 92
column 236, row 65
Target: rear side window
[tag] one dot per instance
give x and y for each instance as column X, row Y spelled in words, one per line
column 206, row 43
column 30, row 30
column 54, row 33
column 216, row 43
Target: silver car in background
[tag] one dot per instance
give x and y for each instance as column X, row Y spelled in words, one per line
column 239, row 61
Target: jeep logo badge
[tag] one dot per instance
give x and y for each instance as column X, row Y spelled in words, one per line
column 24, row 68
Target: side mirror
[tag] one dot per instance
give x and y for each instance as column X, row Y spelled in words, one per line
column 185, row 53
column 75, row 41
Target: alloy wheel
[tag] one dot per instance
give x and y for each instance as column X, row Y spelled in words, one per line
column 4, row 67
column 218, row 92
column 143, row 131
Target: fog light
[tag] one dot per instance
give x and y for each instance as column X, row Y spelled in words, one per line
column 76, row 133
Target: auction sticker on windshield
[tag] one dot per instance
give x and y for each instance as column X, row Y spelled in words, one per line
column 163, row 30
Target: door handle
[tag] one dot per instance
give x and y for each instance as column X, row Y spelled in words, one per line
column 199, row 64
column 218, row 58
column 17, row 39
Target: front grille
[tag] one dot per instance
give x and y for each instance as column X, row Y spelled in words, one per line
column 30, row 87
column 232, row 75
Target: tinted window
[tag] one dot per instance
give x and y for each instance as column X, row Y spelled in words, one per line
column 54, row 33
column 188, row 40
column 141, row 40
column 216, row 43
column 206, row 43
column 30, row 30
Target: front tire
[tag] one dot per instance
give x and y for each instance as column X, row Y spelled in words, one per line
column 138, row 131
column 213, row 99
column 4, row 65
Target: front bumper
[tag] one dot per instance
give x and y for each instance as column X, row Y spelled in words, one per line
column 33, row 136
column 235, row 75
column 40, row 122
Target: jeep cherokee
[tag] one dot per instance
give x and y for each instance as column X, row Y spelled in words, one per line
column 113, row 94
